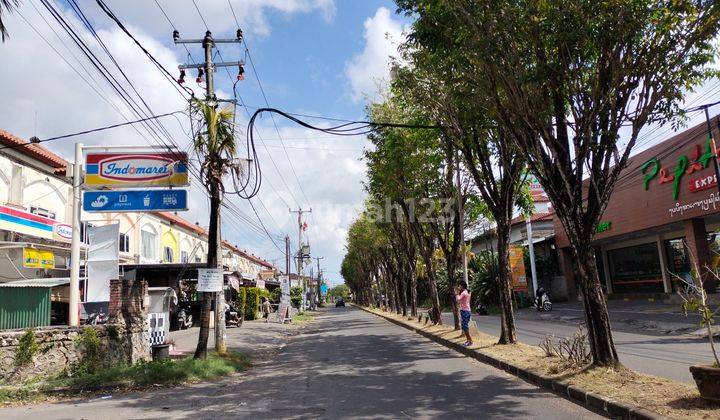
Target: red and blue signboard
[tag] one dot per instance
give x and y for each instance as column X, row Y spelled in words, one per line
column 134, row 200
column 132, row 170
column 21, row 221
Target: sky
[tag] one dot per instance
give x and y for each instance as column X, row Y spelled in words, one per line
column 317, row 57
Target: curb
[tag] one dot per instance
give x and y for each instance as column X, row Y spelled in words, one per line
column 591, row 401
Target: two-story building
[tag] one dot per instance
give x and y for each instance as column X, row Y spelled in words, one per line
column 35, row 229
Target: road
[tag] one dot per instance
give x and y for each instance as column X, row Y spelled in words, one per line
column 644, row 350
column 347, row 364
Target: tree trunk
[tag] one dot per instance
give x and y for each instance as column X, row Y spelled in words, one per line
column 403, row 287
column 212, row 262
column 450, row 267
column 413, row 291
column 507, row 318
column 432, row 283
column 595, row 305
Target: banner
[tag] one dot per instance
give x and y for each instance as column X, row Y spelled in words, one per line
column 127, row 170
column 517, row 268
column 102, row 264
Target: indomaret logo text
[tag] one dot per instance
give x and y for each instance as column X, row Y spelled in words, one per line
column 136, row 168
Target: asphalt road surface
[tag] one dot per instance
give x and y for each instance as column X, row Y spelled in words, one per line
column 348, row 364
column 668, row 356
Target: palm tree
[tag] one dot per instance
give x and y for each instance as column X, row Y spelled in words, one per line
column 6, row 6
column 217, row 147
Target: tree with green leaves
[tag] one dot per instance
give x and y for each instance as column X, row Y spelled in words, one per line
column 405, row 177
column 436, row 81
column 215, row 145
column 567, row 78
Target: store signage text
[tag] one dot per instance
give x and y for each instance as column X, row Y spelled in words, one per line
column 603, row 227
column 125, row 170
column 653, row 169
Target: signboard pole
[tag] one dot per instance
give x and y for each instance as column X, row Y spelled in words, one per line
column 531, row 249
column 73, row 314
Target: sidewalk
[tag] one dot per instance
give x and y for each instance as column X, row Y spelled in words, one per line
column 652, row 318
column 256, row 339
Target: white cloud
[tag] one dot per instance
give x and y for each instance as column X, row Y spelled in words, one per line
column 251, row 14
column 39, row 81
column 368, row 72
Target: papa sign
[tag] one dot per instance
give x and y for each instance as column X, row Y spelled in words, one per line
column 136, row 170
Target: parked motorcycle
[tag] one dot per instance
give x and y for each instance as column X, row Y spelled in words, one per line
column 232, row 317
column 183, row 318
column 542, row 300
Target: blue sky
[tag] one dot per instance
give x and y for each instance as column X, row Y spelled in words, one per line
column 322, row 57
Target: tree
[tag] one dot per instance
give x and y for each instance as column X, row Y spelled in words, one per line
column 5, row 7
column 340, row 291
column 216, row 146
column 436, row 81
column 406, row 175
column 565, row 78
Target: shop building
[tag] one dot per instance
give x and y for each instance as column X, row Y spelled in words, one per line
column 663, row 219
column 35, row 235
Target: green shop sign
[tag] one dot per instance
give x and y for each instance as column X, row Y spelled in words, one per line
column 603, row 227
column 653, row 169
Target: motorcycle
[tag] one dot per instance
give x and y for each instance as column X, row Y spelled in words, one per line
column 232, row 317
column 183, row 318
column 542, row 300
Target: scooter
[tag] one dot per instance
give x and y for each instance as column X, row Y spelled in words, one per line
column 183, row 318
column 231, row 316
column 542, row 300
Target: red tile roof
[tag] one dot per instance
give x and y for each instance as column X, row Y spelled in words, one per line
column 175, row 219
column 537, row 217
column 34, row 150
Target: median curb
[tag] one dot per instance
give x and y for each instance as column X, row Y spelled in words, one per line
column 587, row 399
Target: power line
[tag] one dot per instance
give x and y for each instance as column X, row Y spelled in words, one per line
column 94, row 130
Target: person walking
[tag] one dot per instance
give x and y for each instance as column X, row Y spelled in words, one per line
column 463, row 300
column 266, row 308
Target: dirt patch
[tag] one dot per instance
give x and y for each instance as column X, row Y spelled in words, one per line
column 663, row 396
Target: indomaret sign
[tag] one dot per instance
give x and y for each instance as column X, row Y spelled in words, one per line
column 125, row 170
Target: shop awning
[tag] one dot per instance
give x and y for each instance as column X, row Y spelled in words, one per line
column 50, row 282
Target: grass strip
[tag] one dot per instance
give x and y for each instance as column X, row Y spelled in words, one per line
column 139, row 375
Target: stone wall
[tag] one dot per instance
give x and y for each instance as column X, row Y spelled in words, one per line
column 124, row 340
column 58, row 349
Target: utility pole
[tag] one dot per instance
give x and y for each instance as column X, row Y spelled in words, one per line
column 316, row 295
column 214, row 258
column 74, row 306
column 287, row 256
column 300, row 212
column 461, row 215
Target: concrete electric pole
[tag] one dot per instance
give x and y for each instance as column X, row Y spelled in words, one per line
column 214, row 260
column 300, row 255
column 316, row 293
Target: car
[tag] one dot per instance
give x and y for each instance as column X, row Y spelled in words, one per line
column 340, row 304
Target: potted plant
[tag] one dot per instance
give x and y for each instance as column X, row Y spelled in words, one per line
column 695, row 299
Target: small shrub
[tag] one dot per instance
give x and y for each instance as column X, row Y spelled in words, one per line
column 574, row 350
column 296, row 296
column 27, row 347
column 241, row 302
column 90, row 342
column 252, row 303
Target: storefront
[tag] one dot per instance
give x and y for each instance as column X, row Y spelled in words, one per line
column 662, row 220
